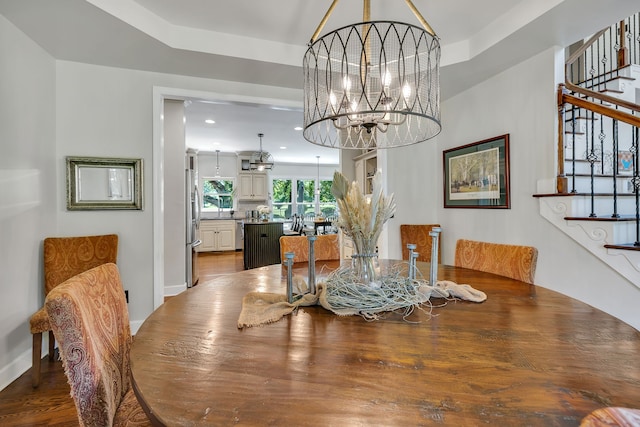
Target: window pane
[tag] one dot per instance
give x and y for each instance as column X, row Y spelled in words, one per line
column 281, row 191
column 306, row 209
column 217, row 193
column 281, row 211
column 305, row 189
column 328, row 210
column 325, row 192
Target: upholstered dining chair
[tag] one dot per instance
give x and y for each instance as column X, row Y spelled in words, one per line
column 418, row 234
column 89, row 318
column 516, row 262
column 612, row 417
column 64, row 257
column 325, row 248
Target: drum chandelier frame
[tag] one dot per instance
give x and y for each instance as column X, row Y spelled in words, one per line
column 374, row 84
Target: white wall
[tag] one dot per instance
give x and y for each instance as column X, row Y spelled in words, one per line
column 27, row 190
column 175, row 198
column 520, row 101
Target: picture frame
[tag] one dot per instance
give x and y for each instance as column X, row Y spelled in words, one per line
column 476, row 175
column 100, row 183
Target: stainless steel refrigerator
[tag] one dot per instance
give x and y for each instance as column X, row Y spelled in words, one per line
column 192, row 218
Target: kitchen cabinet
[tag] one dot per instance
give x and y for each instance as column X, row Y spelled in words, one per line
column 253, row 186
column 217, row 235
column 366, row 166
column 346, row 246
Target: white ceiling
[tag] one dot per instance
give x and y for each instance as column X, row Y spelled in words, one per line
column 264, row 41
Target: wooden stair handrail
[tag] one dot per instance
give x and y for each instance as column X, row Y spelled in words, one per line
column 621, row 116
column 588, row 92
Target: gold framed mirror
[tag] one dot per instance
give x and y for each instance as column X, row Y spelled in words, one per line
column 101, row 183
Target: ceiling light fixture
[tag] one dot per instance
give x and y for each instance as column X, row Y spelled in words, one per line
column 217, row 162
column 261, row 160
column 374, row 84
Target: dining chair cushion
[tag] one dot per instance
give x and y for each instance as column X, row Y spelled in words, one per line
column 514, row 261
column 612, row 416
column 418, row 234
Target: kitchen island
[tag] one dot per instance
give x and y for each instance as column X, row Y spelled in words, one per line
column 261, row 243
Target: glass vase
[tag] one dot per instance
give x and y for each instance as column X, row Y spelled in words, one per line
column 366, row 269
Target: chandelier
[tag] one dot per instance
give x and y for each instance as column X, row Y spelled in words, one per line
column 261, row 160
column 374, row 84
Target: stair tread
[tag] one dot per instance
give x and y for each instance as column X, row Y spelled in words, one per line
column 580, row 161
column 599, row 175
column 622, row 218
column 624, row 246
column 583, row 194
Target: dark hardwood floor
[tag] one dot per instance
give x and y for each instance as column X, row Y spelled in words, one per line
column 50, row 404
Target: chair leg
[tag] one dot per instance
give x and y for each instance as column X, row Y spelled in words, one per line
column 52, row 345
column 35, row 362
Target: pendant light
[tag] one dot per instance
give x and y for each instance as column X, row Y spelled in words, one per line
column 261, row 160
column 217, row 163
column 373, row 84
column 318, row 179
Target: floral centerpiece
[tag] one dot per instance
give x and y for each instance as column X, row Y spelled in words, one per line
column 361, row 219
column 264, row 212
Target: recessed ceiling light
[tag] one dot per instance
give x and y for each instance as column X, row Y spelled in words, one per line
column 209, row 121
column 297, row 128
column 283, row 148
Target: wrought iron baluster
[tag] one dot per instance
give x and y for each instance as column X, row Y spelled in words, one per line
column 636, row 181
column 592, row 158
column 615, row 169
column 573, row 149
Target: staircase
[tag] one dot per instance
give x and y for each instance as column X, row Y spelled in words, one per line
column 597, row 202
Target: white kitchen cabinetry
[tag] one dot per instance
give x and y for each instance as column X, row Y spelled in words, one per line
column 253, row 186
column 217, row 235
column 366, row 166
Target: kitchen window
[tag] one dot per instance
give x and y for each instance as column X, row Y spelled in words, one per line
column 299, row 196
column 217, row 194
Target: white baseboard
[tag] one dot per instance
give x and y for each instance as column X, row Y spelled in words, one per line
column 17, row 367
column 170, row 291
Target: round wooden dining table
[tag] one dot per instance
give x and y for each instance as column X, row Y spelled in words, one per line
column 527, row 356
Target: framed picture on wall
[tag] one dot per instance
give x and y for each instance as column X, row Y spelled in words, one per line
column 476, row 175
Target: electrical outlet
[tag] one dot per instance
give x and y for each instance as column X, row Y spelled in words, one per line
column 126, row 295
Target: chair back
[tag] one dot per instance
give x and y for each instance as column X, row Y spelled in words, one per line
column 418, row 234
column 326, row 247
column 89, row 318
column 516, row 262
column 64, row 257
